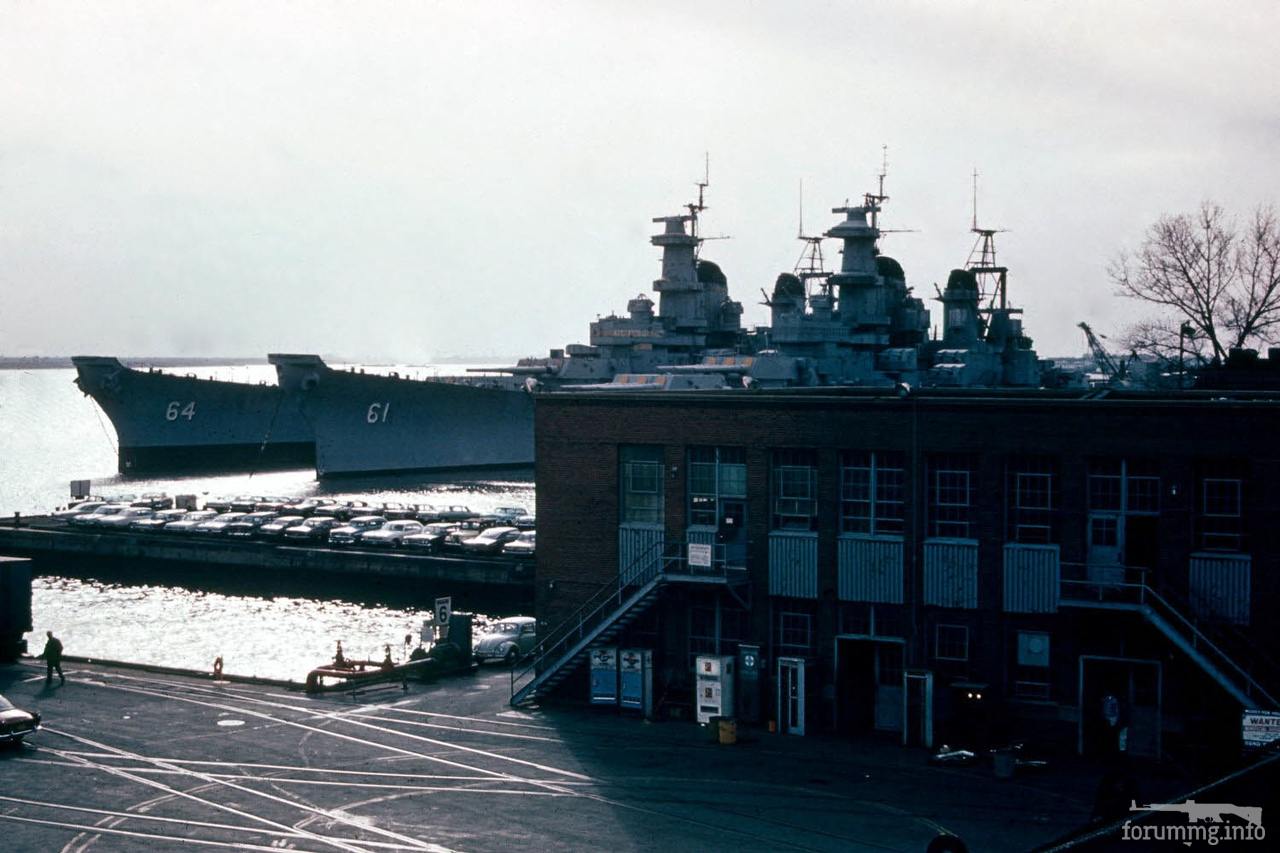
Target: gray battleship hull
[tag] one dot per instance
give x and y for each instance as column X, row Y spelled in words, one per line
column 370, row 424
column 174, row 424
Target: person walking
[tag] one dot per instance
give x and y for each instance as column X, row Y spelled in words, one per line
column 52, row 655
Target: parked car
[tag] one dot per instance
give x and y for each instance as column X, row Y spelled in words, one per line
column 80, row 508
column 218, row 525
column 122, row 519
column 218, row 504
column 508, row 640
column 391, row 534
column 157, row 521
column 189, row 522
column 245, row 503
column 430, row 538
column 275, row 528
column 426, row 513
column 89, row 519
column 270, row 504
column 526, row 522
column 154, row 501
column 490, row 540
column 455, row 512
column 524, row 546
column 510, row 512
column 15, row 723
column 247, row 526
column 461, row 532
column 354, row 530
column 313, row 529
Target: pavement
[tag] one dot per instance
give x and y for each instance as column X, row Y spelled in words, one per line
column 131, row 760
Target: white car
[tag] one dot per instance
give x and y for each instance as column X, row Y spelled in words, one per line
column 391, row 534
column 122, row 519
column 91, row 519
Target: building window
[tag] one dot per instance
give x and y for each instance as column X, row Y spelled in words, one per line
column 1220, row 507
column 794, row 490
column 1031, row 500
column 951, row 642
column 1128, row 486
column 795, row 633
column 715, row 474
column 872, row 493
column 641, row 485
column 950, row 496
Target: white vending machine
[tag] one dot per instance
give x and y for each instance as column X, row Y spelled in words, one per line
column 714, row 686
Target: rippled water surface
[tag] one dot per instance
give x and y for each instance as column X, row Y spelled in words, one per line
column 51, row 434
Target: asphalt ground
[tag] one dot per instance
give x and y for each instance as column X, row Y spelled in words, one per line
column 131, row 760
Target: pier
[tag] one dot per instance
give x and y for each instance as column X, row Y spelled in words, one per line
column 45, row 539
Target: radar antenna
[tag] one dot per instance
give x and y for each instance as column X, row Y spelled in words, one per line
column 874, row 201
column 811, row 264
column 700, row 205
column 992, row 278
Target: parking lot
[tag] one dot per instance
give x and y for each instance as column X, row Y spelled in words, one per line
column 131, row 760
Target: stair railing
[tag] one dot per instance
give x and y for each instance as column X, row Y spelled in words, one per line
column 1142, row 595
column 648, row 565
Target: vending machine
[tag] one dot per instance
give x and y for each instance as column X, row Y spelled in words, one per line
column 714, row 686
column 635, row 673
column 604, row 676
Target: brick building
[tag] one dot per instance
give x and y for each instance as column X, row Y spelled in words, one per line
column 960, row 565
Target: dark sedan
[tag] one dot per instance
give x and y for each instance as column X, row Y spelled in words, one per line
column 15, row 723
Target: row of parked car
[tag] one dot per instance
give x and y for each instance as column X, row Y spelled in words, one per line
column 507, row 530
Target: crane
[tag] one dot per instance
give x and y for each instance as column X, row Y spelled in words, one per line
column 1114, row 369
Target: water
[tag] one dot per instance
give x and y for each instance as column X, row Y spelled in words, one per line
column 51, row 434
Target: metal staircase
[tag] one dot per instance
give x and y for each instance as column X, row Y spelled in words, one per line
column 1189, row 638
column 605, row 614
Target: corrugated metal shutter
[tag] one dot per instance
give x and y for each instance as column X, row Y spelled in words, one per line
column 870, row 569
column 951, row 572
column 793, row 564
column 700, row 536
column 1031, row 578
column 1219, row 585
column 635, row 540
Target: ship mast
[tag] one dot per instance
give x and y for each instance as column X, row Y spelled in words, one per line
column 811, row 265
column 982, row 260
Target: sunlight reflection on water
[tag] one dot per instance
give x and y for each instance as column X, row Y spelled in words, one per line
column 278, row 637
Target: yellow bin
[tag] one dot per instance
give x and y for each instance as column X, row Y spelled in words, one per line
column 728, row 731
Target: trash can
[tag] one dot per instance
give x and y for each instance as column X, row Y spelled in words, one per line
column 1003, row 761
column 727, row 729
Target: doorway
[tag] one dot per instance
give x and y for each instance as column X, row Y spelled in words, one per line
column 791, row 705
column 1119, row 695
column 870, row 684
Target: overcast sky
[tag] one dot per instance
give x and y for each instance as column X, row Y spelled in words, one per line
column 410, row 181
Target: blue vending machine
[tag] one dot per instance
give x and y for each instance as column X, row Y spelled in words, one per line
column 604, row 676
column 635, row 671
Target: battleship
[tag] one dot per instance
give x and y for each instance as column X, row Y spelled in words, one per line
column 857, row 326
column 860, row 325
column 168, row 423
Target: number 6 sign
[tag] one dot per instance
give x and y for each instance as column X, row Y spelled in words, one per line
column 444, row 606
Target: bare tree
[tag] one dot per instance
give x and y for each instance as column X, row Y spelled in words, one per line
column 1221, row 278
